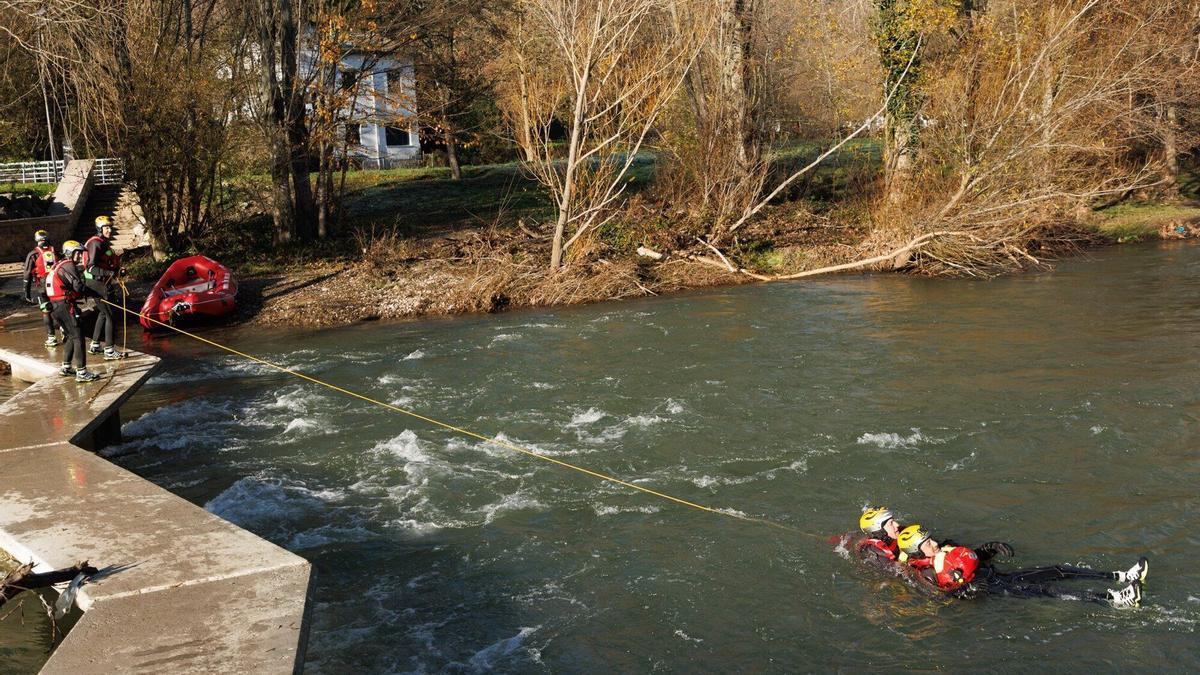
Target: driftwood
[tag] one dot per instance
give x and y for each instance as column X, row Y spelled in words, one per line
column 22, row 579
column 898, row 258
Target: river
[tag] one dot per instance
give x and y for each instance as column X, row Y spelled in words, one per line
column 1056, row 411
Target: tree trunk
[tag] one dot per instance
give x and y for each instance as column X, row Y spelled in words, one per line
column 295, row 125
column 273, row 118
column 451, row 150
column 899, row 153
column 525, row 140
column 1171, row 148
column 897, row 43
column 566, row 203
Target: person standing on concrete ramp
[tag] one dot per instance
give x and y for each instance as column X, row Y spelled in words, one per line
column 37, row 265
column 64, row 285
column 101, row 265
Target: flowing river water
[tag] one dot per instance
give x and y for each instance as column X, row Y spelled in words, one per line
column 1056, row 411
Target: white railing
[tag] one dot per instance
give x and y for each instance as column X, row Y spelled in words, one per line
column 32, row 172
column 107, row 171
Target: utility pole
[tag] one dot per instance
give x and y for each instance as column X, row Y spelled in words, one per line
column 46, row 98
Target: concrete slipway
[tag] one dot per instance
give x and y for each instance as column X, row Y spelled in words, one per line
column 185, row 591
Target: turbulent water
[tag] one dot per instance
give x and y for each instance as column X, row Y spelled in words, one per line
column 1056, row 411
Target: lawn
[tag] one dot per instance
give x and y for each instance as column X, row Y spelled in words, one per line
column 39, row 189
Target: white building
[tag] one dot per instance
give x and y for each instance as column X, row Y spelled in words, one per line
column 381, row 125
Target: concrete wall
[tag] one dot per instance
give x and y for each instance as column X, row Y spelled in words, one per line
column 16, row 236
column 180, row 590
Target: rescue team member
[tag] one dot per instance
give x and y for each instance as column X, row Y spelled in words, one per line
column 37, row 265
column 879, row 546
column 101, row 265
column 64, row 285
column 965, row 573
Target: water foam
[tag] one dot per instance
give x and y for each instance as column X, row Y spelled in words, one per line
column 486, row 658
column 589, row 416
column 267, row 506
column 614, row 510
column 511, row 502
column 894, row 441
column 414, row 355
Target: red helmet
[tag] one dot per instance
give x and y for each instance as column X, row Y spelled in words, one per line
column 955, row 566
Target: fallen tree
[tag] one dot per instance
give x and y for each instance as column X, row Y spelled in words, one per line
column 24, row 579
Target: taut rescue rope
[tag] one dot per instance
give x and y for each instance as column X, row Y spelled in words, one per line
column 466, row 432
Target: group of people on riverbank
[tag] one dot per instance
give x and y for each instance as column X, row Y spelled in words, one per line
column 963, row 572
column 62, row 282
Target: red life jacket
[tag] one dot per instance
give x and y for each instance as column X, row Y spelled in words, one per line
column 45, row 260
column 56, row 290
column 955, row 566
column 886, row 550
column 107, row 258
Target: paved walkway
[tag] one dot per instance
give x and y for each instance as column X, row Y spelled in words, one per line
column 185, row 591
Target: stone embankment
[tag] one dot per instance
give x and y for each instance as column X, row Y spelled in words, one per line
column 181, row 590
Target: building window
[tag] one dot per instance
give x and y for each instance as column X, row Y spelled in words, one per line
column 353, row 133
column 397, row 136
column 349, row 79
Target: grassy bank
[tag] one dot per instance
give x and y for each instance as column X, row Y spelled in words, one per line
column 416, row 242
column 38, row 189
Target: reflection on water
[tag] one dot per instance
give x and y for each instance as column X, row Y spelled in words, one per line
column 1055, row 411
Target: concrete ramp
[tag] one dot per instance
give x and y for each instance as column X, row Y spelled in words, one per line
column 182, row 590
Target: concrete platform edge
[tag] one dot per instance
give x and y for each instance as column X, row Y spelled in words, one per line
column 257, row 583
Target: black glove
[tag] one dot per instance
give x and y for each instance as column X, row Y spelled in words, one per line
column 28, row 297
column 995, row 548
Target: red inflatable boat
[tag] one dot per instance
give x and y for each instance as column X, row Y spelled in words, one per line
column 191, row 286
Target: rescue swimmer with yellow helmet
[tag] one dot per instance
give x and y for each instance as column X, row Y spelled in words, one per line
column 64, row 286
column 101, row 265
column 965, row 572
column 879, row 546
column 38, row 264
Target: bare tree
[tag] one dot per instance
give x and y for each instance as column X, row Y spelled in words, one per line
column 606, row 74
column 716, row 144
column 1048, row 127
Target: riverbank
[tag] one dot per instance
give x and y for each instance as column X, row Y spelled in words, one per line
column 492, row 270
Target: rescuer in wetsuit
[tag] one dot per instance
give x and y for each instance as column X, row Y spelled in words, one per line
column 37, row 265
column 965, row 573
column 101, row 265
column 879, row 546
column 64, row 284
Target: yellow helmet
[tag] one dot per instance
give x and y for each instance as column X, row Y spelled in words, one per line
column 102, row 222
column 71, row 247
column 911, row 538
column 873, row 519
column 41, row 236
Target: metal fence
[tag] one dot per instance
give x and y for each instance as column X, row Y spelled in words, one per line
column 31, row 172
column 107, row 171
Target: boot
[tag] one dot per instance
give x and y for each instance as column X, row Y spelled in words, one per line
column 1126, row 598
column 85, row 375
column 1137, row 573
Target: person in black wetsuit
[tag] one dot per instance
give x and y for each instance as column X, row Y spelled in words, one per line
column 101, row 267
column 966, row 573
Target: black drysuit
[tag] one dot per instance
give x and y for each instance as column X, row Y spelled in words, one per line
column 97, row 280
column 1030, row 582
column 66, row 313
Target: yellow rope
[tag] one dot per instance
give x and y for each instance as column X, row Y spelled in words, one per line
column 472, row 434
